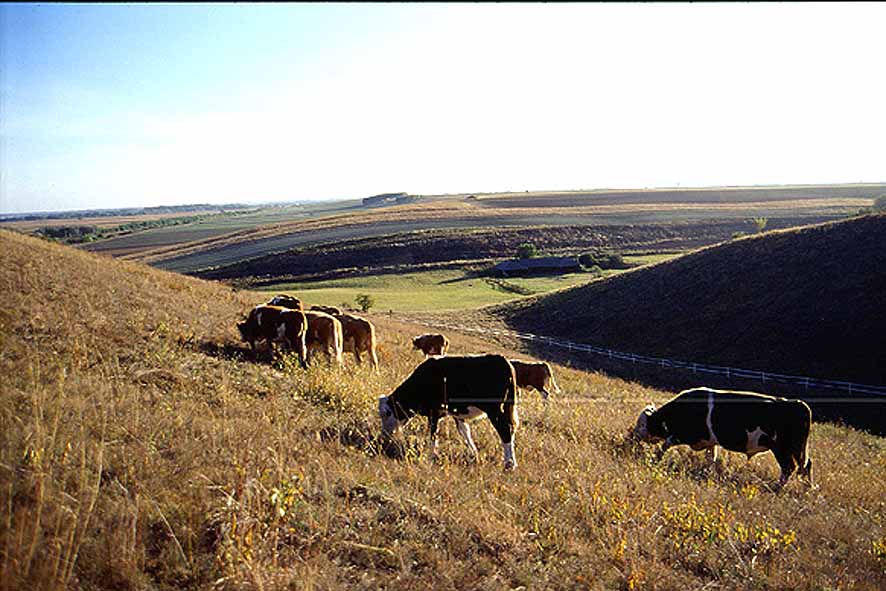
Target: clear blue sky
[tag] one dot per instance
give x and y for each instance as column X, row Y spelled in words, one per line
column 146, row 104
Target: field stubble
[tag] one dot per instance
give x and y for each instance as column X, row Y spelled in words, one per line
column 142, row 447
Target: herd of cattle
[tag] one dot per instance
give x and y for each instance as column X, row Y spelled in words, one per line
column 470, row 387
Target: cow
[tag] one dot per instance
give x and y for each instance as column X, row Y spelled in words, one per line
column 466, row 387
column 331, row 310
column 324, row 333
column 276, row 324
column 286, row 301
column 358, row 337
column 537, row 375
column 744, row 422
column 431, row 344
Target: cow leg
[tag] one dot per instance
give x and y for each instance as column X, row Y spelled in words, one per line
column 302, row 353
column 433, row 443
column 806, row 472
column 787, row 463
column 506, row 432
column 374, row 359
column 464, row 429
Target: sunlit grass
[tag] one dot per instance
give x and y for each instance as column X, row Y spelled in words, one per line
column 141, row 447
column 439, row 290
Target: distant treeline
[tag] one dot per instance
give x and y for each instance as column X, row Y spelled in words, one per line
column 78, row 234
column 127, row 211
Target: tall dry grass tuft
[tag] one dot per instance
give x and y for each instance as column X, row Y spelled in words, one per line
column 143, row 447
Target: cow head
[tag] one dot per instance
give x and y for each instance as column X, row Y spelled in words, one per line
column 641, row 429
column 243, row 327
column 390, row 424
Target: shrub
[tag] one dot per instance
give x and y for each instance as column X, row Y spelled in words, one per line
column 760, row 223
column 602, row 260
column 527, row 250
column 364, row 301
column 880, row 203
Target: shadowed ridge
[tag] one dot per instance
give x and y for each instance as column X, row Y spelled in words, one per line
column 806, row 301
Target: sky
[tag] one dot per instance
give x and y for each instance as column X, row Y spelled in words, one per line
column 126, row 105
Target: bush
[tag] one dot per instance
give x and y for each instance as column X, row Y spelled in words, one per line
column 602, row 260
column 760, row 223
column 527, row 250
column 880, row 203
column 364, row 301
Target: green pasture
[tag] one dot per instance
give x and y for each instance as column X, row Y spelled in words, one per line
column 429, row 291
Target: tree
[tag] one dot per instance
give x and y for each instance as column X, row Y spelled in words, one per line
column 526, row 250
column 761, row 224
column 364, row 301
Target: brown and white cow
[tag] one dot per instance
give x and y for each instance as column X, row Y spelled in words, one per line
column 359, row 337
column 286, row 301
column 331, row 310
column 431, row 344
column 324, row 334
column 276, row 324
column 537, row 375
column 745, row 422
column 466, row 387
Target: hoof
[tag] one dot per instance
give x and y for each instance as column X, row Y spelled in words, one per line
column 510, row 466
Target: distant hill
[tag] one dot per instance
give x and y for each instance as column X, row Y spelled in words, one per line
column 809, row 301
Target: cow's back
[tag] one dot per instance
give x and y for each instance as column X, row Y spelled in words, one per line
column 684, row 417
column 478, row 377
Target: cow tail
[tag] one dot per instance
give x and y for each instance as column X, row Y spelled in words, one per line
column 807, row 461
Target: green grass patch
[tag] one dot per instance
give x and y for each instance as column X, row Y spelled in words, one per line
column 439, row 290
column 426, row 291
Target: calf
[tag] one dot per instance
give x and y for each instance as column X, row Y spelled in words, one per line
column 324, row 333
column 468, row 388
column 276, row 324
column 431, row 344
column 537, row 375
column 744, row 422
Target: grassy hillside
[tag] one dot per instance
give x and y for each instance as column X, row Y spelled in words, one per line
column 807, row 301
column 142, row 448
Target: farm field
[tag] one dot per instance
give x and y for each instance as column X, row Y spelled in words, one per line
column 148, row 449
column 224, row 242
column 441, row 290
column 212, row 227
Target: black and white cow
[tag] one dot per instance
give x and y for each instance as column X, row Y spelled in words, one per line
column 466, row 387
column 744, row 422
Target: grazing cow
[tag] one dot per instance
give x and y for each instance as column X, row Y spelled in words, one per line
column 324, row 333
column 431, row 344
column 467, row 387
column 331, row 310
column 359, row 337
column 276, row 324
column 536, row 375
column 286, row 301
column 744, row 422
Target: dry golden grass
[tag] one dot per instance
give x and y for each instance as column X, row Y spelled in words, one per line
column 142, row 448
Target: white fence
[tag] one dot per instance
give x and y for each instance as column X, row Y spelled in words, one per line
column 853, row 390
